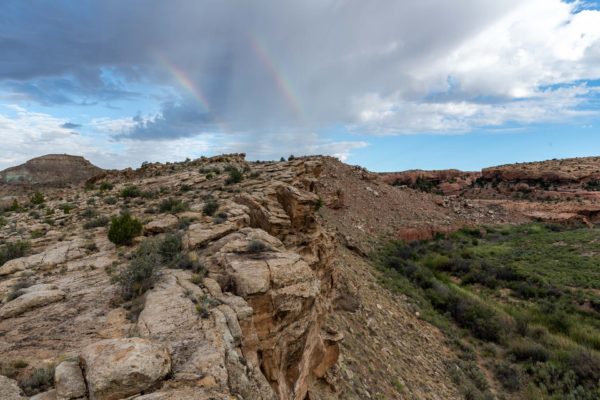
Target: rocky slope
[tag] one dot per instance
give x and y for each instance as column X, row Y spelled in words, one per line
column 296, row 320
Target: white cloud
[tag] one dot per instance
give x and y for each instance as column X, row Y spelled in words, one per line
column 26, row 134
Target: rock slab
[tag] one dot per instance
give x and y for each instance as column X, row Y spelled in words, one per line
column 118, row 368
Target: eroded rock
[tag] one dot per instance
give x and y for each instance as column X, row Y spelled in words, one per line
column 30, row 301
column 68, row 380
column 9, row 390
column 117, row 368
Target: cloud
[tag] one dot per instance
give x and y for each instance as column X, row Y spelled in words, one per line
column 27, row 134
column 70, row 125
column 246, row 72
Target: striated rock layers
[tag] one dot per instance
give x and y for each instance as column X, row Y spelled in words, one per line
column 252, row 328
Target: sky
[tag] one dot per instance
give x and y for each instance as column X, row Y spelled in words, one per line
column 386, row 84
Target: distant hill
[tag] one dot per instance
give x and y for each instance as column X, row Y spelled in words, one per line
column 53, row 170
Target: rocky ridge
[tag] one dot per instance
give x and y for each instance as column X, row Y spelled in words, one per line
column 299, row 316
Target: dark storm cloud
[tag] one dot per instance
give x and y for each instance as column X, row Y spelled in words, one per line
column 249, row 66
column 70, row 125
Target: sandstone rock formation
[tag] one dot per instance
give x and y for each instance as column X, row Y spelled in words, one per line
column 270, row 297
column 9, row 390
column 118, row 368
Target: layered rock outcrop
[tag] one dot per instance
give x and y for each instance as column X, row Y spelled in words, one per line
column 252, row 328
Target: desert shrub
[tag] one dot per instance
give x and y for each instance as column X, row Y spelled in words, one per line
column 123, row 229
column 104, row 186
column 89, row 213
column 509, row 376
column 131, row 191
column 169, row 248
column 40, row 380
column 111, row 201
column 66, row 207
column 3, row 222
column 97, row 222
column 37, row 198
column 185, row 188
column 524, row 350
column 172, row 206
column 585, row 364
column 14, row 207
column 12, row 250
column 235, row 176
column 319, row 204
column 436, row 261
column 257, row 246
column 141, row 272
column 210, row 207
column 187, row 263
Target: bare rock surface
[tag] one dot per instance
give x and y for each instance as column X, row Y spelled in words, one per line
column 69, row 381
column 9, row 390
column 265, row 299
column 29, row 301
column 117, row 368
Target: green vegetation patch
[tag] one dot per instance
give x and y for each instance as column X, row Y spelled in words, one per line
column 532, row 290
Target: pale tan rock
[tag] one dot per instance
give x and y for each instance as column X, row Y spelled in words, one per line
column 160, row 225
column 117, row 368
column 68, row 380
column 49, row 395
column 30, row 301
column 199, row 235
column 9, row 390
column 56, row 254
column 250, row 276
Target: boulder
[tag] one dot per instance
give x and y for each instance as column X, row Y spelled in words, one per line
column 68, row 380
column 117, row 368
column 30, row 301
column 161, row 225
column 9, row 390
column 201, row 234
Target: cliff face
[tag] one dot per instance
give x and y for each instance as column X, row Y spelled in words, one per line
column 53, row 170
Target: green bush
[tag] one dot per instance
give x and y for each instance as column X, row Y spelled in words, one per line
column 173, row 206
column 148, row 259
column 141, row 272
column 12, row 250
column 131, row 191
column 3, row 222
column 66, row 207
column 123, row 229
column 40, row 380
column 235, row 176
column 111, row 201
column 509, row 376
column 89, row 213
column 37, row 198
column 169, row 248
column 525, row 350
column 97, row 222
column 210, row 207
column 104, row 186
column 15, row 206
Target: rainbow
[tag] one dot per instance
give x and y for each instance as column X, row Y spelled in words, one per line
column 283, row 85
column 185, row 82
